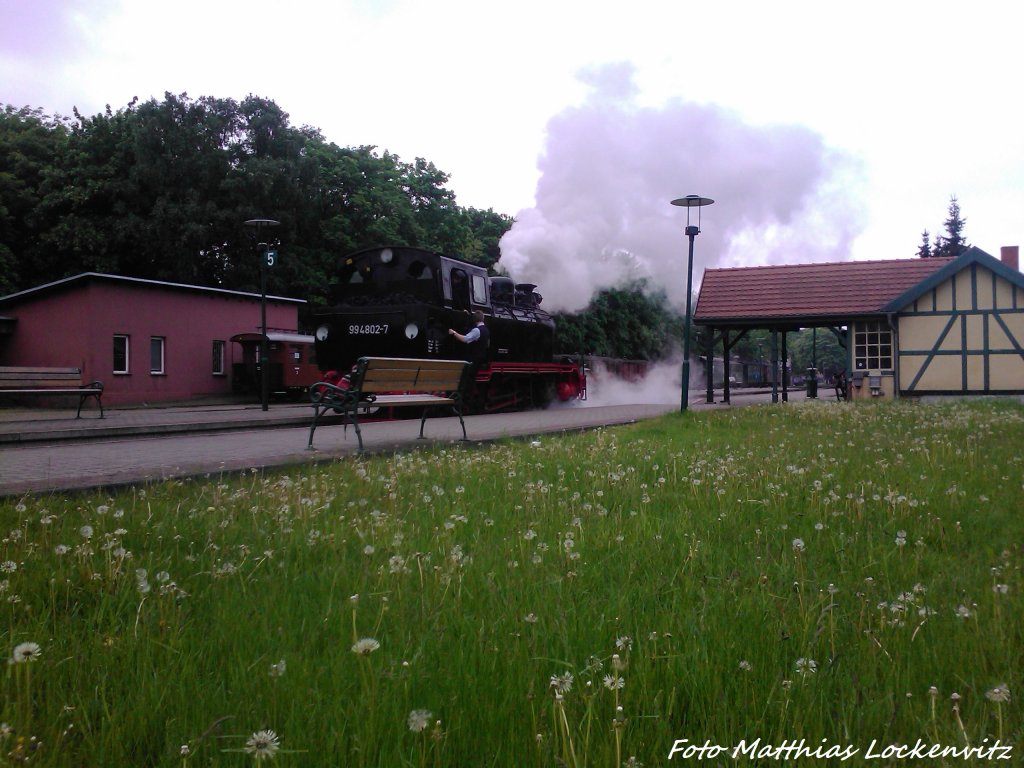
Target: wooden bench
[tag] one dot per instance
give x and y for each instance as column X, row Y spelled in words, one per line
column 37, row 381
column 384, row 382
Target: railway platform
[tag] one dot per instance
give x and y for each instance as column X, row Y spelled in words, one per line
column 50, row 451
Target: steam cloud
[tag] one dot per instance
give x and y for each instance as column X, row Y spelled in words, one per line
column 610, row 168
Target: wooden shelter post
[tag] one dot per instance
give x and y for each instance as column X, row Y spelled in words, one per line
column 775, row 366
column 725, row 366
column 785, row 377
column 709, row 366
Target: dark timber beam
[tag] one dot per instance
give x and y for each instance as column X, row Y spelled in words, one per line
column 709, row 367
column 775, row 366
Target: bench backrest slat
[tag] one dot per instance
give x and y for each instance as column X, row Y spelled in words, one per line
column 30, row 374
column 382, row 374
column 41, row 384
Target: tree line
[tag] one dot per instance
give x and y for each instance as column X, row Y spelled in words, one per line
column 161, row 190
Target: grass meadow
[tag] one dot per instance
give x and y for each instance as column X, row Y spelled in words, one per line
column 848, row 576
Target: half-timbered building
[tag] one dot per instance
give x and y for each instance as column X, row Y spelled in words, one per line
column 911, row 327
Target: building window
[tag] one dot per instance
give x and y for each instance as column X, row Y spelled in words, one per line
column 218, row 357
column 872, row 347
column 120, row 354
column 156, row 355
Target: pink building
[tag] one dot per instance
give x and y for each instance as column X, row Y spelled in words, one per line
column 146, row 340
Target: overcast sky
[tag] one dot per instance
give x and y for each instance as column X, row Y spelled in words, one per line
column 823, row 130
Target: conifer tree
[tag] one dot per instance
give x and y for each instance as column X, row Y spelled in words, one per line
column 954, row 243
column 925, row 249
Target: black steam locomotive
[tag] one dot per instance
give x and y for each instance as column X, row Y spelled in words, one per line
column 400, row 302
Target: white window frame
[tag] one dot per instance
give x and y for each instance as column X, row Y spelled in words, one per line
column 127, row 354
column 219, row 357
column 162, row 370
column 872, row 343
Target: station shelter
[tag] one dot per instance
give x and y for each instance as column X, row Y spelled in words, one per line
column 910, row 327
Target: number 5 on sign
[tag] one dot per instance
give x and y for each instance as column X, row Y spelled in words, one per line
column 271, row 258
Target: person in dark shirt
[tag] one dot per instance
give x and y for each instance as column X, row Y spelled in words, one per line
column 478, row 338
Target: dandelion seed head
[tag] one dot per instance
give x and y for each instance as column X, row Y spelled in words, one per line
column 613, row 682
column 365, row 646
column 805, row 667
column 25, row 652
column 562, row 683
column 419, row 719
column 999, row 695
column 262, row 745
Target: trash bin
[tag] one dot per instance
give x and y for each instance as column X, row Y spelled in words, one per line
column 812, row 382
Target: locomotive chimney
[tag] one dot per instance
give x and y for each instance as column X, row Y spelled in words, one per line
column 1010, row 256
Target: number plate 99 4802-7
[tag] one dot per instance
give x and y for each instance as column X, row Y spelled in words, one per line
column 371, row 329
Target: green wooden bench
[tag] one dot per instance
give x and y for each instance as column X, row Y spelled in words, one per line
column 392, row 382
column 37, row 381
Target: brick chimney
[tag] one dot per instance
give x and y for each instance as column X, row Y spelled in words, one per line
column 1010, row 256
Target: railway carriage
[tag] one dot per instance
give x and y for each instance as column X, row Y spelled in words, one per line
column 292, row 363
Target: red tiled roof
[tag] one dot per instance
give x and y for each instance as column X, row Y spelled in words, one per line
column 809, row 290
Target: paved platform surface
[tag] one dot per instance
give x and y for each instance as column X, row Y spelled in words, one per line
column 49, row 450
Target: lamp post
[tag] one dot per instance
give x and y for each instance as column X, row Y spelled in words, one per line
column 261, row 250
column 688, row 202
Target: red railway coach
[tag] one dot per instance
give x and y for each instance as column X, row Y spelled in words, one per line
column 292, row 363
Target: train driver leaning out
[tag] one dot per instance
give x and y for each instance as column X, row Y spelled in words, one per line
column 478, row 338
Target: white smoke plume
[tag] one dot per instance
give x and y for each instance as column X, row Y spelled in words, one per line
column 660, row 385
column 610, row 168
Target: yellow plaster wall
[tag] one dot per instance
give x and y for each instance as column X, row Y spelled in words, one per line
column 963, row 289
column 985, row 278
column 975, row 372
column 1006, row 372
column 920, row 332
column 975, row 331
column 1004, row 292
column 944, row 372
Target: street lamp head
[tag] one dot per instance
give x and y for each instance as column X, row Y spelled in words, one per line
column 692, row 201
column 262, row 223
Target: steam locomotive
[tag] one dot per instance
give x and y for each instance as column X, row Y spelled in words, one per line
column 400, row 302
